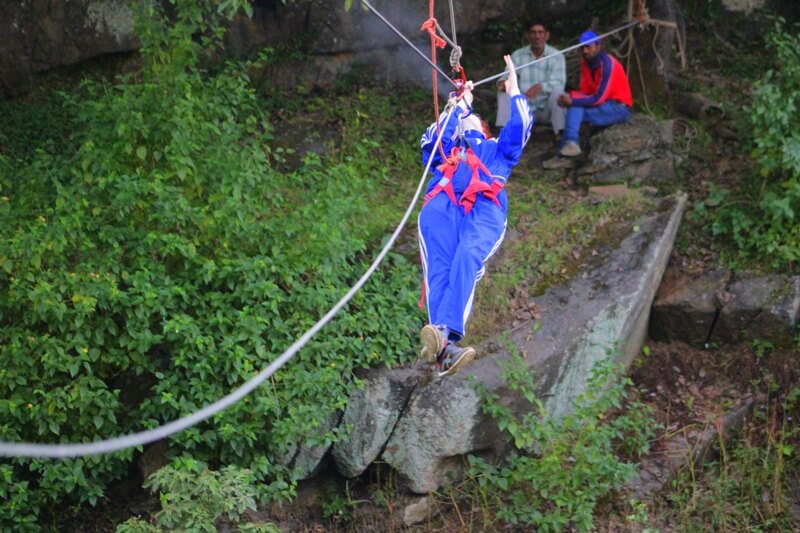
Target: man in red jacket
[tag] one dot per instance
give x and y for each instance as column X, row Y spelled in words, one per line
column 604, row 96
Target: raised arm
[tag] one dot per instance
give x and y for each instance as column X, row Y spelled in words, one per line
column 515, row 134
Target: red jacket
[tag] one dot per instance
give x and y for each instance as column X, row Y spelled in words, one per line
column 606, row 81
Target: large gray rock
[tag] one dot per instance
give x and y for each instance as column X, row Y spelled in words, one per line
column 638, row 151
column 687, row 309
column 370, row 417
column 40, row 35
column 724, row 308
column 601, row 313
column 759, row 307
column 306, row 458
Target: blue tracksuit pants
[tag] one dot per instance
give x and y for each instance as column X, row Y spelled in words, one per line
column 454, row 248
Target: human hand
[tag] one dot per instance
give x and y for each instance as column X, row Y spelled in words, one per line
column 501, row 86
column 464, row 98
column 467, row 95
column 533, row 91
column 512, row 87
column 565, row 100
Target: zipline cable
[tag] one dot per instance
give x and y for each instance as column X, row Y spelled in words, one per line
column 453, row 24
column 27, row 449
column 455, row 53
column 560, row 52
column 405, row 39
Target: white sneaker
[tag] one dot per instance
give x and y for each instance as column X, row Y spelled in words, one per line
column 433, row 339
column 570, row 149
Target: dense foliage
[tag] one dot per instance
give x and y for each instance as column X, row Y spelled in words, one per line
column 194, row 498
column 157, row 259
column 565, row 465
column 762, row 217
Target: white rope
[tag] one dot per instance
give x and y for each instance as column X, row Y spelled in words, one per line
column 453, row 24
column 554, row 54
column 405, row 39
column 28, row 449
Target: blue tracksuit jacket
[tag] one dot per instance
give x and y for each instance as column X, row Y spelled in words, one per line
column 455, row 246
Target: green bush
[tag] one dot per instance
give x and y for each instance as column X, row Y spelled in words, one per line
column 564, row 466
column 194, row 498
column 762, row 218
column 166, row 254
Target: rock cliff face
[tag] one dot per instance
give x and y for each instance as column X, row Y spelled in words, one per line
column 424, row 427
column 40, row 35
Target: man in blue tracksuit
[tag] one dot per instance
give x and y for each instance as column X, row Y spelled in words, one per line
column 463, row 220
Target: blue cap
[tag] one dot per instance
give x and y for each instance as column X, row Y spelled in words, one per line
column 588, row 37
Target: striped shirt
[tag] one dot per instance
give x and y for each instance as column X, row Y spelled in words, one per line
column 551, row 73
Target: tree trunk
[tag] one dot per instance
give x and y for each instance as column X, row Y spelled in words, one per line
column 657, row 52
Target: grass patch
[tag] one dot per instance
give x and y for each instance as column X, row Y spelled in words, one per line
column 753, row 483
column 555, row 234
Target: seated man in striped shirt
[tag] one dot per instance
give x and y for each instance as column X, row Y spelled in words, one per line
column 603, row 97
column 541, row 82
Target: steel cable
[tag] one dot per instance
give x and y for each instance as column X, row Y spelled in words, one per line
column 27, row 449
column 560, row 52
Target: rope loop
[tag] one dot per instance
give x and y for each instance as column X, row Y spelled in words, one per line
column 430, row 26
column 455, row 57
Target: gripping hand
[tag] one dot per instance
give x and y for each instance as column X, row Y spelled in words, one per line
column 512, row 87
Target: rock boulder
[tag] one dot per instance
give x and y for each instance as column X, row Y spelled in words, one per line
column 686, row 310
column 759, row 307
column 601, row 313
column 41, row 35
column 636, row 152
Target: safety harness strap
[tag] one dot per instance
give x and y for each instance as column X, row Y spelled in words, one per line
column 476, row 185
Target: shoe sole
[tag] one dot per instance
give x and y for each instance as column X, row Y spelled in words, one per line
column 466, row 357
column 570, row 152
column 560, row 165
column 432, row 343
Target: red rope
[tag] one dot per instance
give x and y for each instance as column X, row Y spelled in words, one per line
column 430, row 26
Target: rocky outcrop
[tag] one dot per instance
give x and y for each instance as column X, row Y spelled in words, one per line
column 761, row 307
column 636, row 152
column 41, row 35
column 721, row 307
column 602, row 313
column 369, row 425
column 686, row 309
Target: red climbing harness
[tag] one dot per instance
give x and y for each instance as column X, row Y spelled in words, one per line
column 476, row 185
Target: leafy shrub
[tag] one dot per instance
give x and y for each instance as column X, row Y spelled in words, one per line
column 194, row 498
column 762, row 218
column 166, row 254
column 564, row 466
